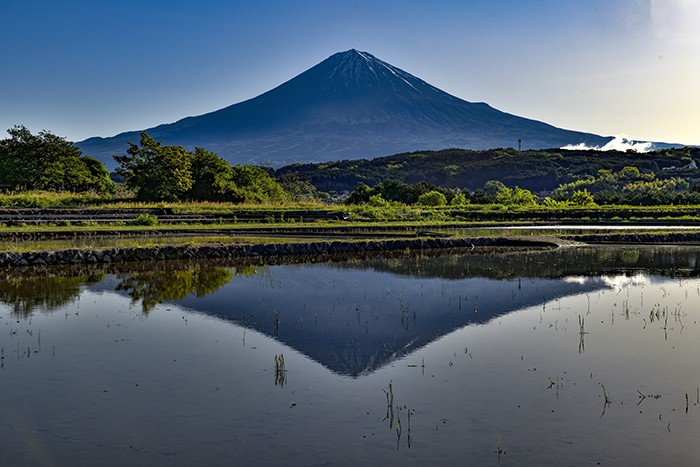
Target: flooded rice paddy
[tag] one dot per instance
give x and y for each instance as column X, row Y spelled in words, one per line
column 578, row 356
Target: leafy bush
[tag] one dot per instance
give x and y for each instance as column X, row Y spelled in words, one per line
column 582, row 198
column 145, row 219
column 459, row 200
column 377, row 201
column 517, row 196
column 432, row 198
column 395, row 191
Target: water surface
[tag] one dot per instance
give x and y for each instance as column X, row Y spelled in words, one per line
column 566, row 357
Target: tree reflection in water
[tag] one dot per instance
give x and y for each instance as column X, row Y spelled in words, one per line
column 153, row 287
column 27, row 294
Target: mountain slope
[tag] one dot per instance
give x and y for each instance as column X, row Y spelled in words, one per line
column 352, row 105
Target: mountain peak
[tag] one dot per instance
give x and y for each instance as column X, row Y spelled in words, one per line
column 351, row 105
column 354, row 68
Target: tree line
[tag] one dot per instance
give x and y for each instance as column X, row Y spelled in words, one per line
column 171, row 173
column 626, row 187
column 468, row 170
column 48, row 162
column 156, row 172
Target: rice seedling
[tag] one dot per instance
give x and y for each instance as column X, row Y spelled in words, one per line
column 582, row 332
column 389, row 405
column 409, row 438
column 499, row 450
column 607, row 400
column 280, row 370
column 398, row 430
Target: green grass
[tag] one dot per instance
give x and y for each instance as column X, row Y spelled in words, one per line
column 389, row 214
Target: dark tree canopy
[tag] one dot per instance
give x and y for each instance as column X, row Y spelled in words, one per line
column 49, row 162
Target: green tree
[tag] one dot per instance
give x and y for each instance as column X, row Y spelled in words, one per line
column 157, row 172
column 504, row 195
column 492, row 187
column 49, row 162
column 256, row 185
column 377, row 201
column 212, row 177
column 460, row 200
column 516, row 195
column 523, row 197
column 629, row 172
column 296, row 188
column 583, row 198
column 432, row 198
column 361, row 194
column 480, row 197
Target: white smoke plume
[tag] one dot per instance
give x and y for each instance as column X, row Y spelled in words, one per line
column 618, row 143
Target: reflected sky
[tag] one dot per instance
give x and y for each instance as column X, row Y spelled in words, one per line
column 562, row 367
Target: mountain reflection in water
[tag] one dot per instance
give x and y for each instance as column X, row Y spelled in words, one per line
column 353, row 316
column 576, row 356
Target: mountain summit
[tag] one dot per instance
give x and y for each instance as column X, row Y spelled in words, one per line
column 350, row 106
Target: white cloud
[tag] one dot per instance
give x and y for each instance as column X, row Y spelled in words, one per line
column 618, row 143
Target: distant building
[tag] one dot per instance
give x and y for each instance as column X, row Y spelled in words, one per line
column 692, row 165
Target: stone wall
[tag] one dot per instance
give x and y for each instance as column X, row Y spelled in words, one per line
column 226, row 251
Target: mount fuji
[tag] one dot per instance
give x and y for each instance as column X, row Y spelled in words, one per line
column 350, row 106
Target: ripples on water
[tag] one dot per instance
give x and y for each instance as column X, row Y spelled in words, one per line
column 566, row 357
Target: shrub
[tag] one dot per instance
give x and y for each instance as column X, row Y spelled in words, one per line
column 459, row 200
column 145, row 219
column 432, row 198
column 377, row 201
column 582, row 198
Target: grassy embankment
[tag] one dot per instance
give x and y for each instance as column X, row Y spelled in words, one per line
column 225, row 215
column 283, row 218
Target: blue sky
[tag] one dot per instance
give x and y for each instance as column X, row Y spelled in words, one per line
column 84, row 68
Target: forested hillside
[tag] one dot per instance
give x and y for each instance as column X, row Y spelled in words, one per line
column 465, row 169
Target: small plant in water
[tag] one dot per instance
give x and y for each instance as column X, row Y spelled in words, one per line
column 280, row 370
column 607, row 400
column 499, row 450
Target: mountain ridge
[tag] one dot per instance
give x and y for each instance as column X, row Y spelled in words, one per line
column 350, row 106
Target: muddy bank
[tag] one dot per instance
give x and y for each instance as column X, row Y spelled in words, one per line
column 231, row 251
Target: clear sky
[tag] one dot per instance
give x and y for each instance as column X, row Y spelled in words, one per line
column 82, row 68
